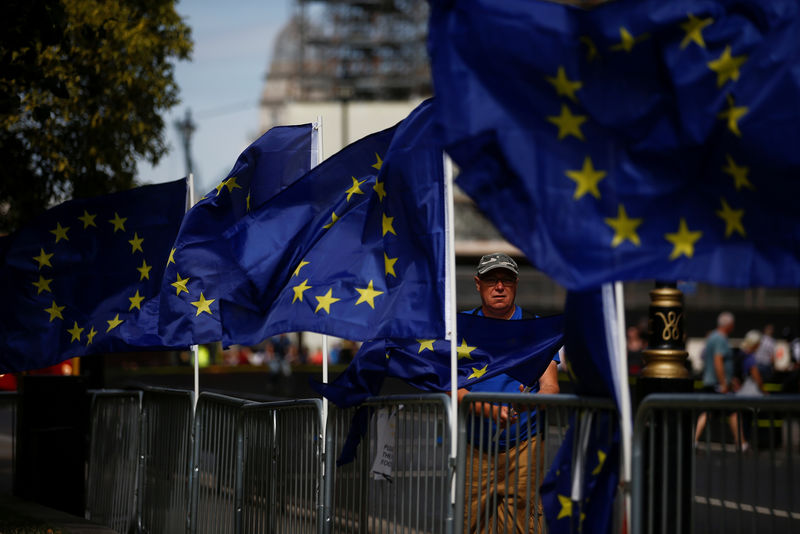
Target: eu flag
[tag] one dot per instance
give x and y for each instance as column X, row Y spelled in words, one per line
column 272, row 163
column 641, row 139
column 486, row 348
column 76, row 280
column 354, row 248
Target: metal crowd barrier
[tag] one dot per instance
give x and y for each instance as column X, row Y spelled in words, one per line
column 166, row 457
column 8, row 432
column 497, row 489
column 113, row 459
column 717, row 484
column 280, row 462
column 213, row 481
column 401, row 477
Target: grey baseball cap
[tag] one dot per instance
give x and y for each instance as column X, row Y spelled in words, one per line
column 496, row 260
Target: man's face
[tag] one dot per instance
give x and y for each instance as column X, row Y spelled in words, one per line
column 498, row 289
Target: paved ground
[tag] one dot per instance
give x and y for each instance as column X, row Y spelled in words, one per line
column 21, row 516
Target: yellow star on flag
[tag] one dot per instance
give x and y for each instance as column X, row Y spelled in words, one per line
column 464, row 350
column 624, row 228
column 387, row 225
column 144, row 271
column 727, row 66
column 136, row 301
column 627, row 41
column 732, row 115
column 43, row 259
column 563, row 85
column 60, row 232
column 683, row 241
column 180, row 284
column 334, row 218
column 247, row 201
column 325, row 301
column 113, row 323
column 389, row 265
column 87, row 219
column 368, row 295
column 355, row 189
column 300, row 266
column 299, row 289
column 425, row 344
column 118, row 222
column 566, row 507
column 732, row 218
column 568, row 124
column 43, row 285
column 55, row 311
column 378, row 163
column 477, row 373
column 90, row 336
column 75, row 332
column 231, row 184
column 738, row 172
column 591, row 48
column 587, row 179
column 203, row 305
column 378, row 188
column 220, row 187
column 171, row 258
column 601, row 459
column 694, row 30
column 136, row 243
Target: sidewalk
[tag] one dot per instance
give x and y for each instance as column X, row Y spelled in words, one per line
column 23, row 517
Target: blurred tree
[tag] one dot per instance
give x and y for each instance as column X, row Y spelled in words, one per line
column 82, row 85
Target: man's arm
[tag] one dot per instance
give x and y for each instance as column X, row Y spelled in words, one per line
column 500, row 414
column 548, row 382
column 719, row 368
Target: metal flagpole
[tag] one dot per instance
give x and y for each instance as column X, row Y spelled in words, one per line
column 614, row 318
column 194, row 348
column 316, row 159
column 450, row 311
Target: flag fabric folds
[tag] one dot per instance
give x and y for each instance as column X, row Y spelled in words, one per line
column 486, row 347
column 579, row 489
column 637, row 140
column 354, row 248
column 78, row 279
column 276, row 160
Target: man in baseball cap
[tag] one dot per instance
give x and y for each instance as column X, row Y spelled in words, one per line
column 496, row 282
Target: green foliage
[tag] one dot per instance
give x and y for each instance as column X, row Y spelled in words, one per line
column 82, row 86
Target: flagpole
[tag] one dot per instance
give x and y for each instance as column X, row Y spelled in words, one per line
column 194, row 348
column 316, row 159
column 450, row 310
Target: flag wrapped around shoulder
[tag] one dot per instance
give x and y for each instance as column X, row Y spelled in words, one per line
column 76, row 281
column 640, row 139
column 488, row 347
column 354, row 248
column 272, row 163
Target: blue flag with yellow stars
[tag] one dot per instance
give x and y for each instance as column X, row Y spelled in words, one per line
column 75, row 281
column 590, row 453
column 641, row 139
column 200, row 257
column 354, row 248
column 486, row 347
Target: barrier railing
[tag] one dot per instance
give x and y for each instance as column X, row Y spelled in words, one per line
column 8, row 432
column 499, row 476
column 113, row 459
column 741, row 474
column 280, row 465
column 213, row 481
column 165, row 460
column 401, row 477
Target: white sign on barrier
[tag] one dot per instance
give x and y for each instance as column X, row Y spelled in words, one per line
column 386, row 421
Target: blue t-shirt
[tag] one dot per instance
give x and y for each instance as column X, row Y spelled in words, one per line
column 503, row 383
column 716, row 343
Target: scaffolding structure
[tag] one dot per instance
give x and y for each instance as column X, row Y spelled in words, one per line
column 342, row 50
